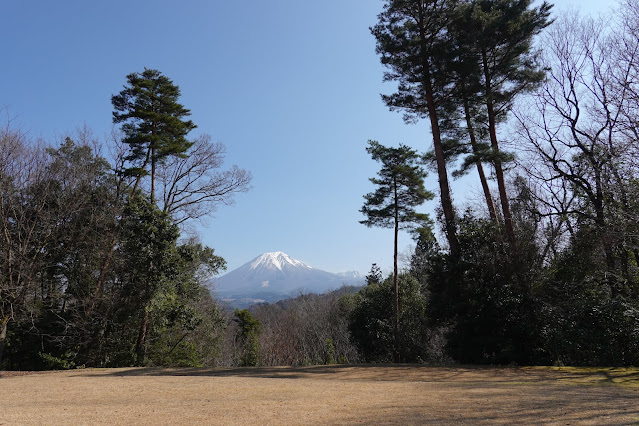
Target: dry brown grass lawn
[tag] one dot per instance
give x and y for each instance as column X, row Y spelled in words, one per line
column 398, row 394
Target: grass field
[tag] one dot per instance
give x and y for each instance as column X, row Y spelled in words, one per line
column 397, row 394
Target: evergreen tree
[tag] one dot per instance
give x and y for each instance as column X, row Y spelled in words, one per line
column 425, row 247
column 374, row 275
column 392, row 205
column 469, row 128
column 154, row 122
column 248, row 332
column 149, row 258
column 413, row 43
column 183, row 312
column 155, row 128
column 497, row 35
column 371, row 322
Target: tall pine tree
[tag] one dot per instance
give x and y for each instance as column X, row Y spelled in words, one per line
column 154, row 122
column 413, row 43
column 392, row 205
column 155, row 128
column 497, row 36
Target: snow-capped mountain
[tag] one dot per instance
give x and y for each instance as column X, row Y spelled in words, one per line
column 276, row 261
column 275, row 276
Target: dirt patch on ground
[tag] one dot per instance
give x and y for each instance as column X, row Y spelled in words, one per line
column 322, row 395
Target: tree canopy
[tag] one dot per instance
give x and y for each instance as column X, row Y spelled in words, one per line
column 154, row 122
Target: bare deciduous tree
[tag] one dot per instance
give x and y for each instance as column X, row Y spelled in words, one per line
column 194, row 186
column 23, row 224
column 580, row 134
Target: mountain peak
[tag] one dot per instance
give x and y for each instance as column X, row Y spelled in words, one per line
column 276, row 260
column 274, row 276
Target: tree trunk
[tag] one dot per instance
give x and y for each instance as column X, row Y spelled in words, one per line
column 396, row 282
column 606, row 240
column 103, row 271
column 444, row 188
column 499, row 172
column 480, row 169
column 140, row 347
column 153, row 175
column 442, row 174
column 109, row 256
column 4, row 322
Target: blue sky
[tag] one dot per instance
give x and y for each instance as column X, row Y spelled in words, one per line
column 291, row 87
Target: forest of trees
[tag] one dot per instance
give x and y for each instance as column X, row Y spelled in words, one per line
column 97, row 267
column 546, row 272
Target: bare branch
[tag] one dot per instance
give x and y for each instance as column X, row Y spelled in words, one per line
column 193, row 187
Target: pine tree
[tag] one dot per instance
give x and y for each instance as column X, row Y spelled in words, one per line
column 374, row 275
column 154, row 122
column 413, row 43
column 155, row 128
column 469, row 124
column 148, row 251
column 392, row 205
column 498, row 35
column 248, row 332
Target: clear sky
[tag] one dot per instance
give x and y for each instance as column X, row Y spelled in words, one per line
column 291, row 87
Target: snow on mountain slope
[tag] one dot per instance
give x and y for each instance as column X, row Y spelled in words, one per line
column 274, row 276
column 276, row 260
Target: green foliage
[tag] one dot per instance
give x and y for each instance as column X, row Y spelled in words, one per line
column 248, row 324
column 248, row 333
column 93, row 274
column 55, row 363
column 69, row 205
column 164, row 280
column 371, row 321
column 500, row 312
column 400, row 188
column 494, row 61
column 67, row 321
column 495, row 38
column 153, row 122
column 585, row 323
column 149, row 263
column 413, row 43
column 426, row 247
column 484, row 298
column 153, row 119
column 374, row 275
column 330, row 352
column 186, row 328
column 148, row 239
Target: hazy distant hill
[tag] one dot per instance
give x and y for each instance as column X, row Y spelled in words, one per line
column 275, row 276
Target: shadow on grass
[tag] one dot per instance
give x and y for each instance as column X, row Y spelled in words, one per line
column 458, row 375
column 283, row 372
column 501, row 406
column 418, row 394
column 463, row 394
